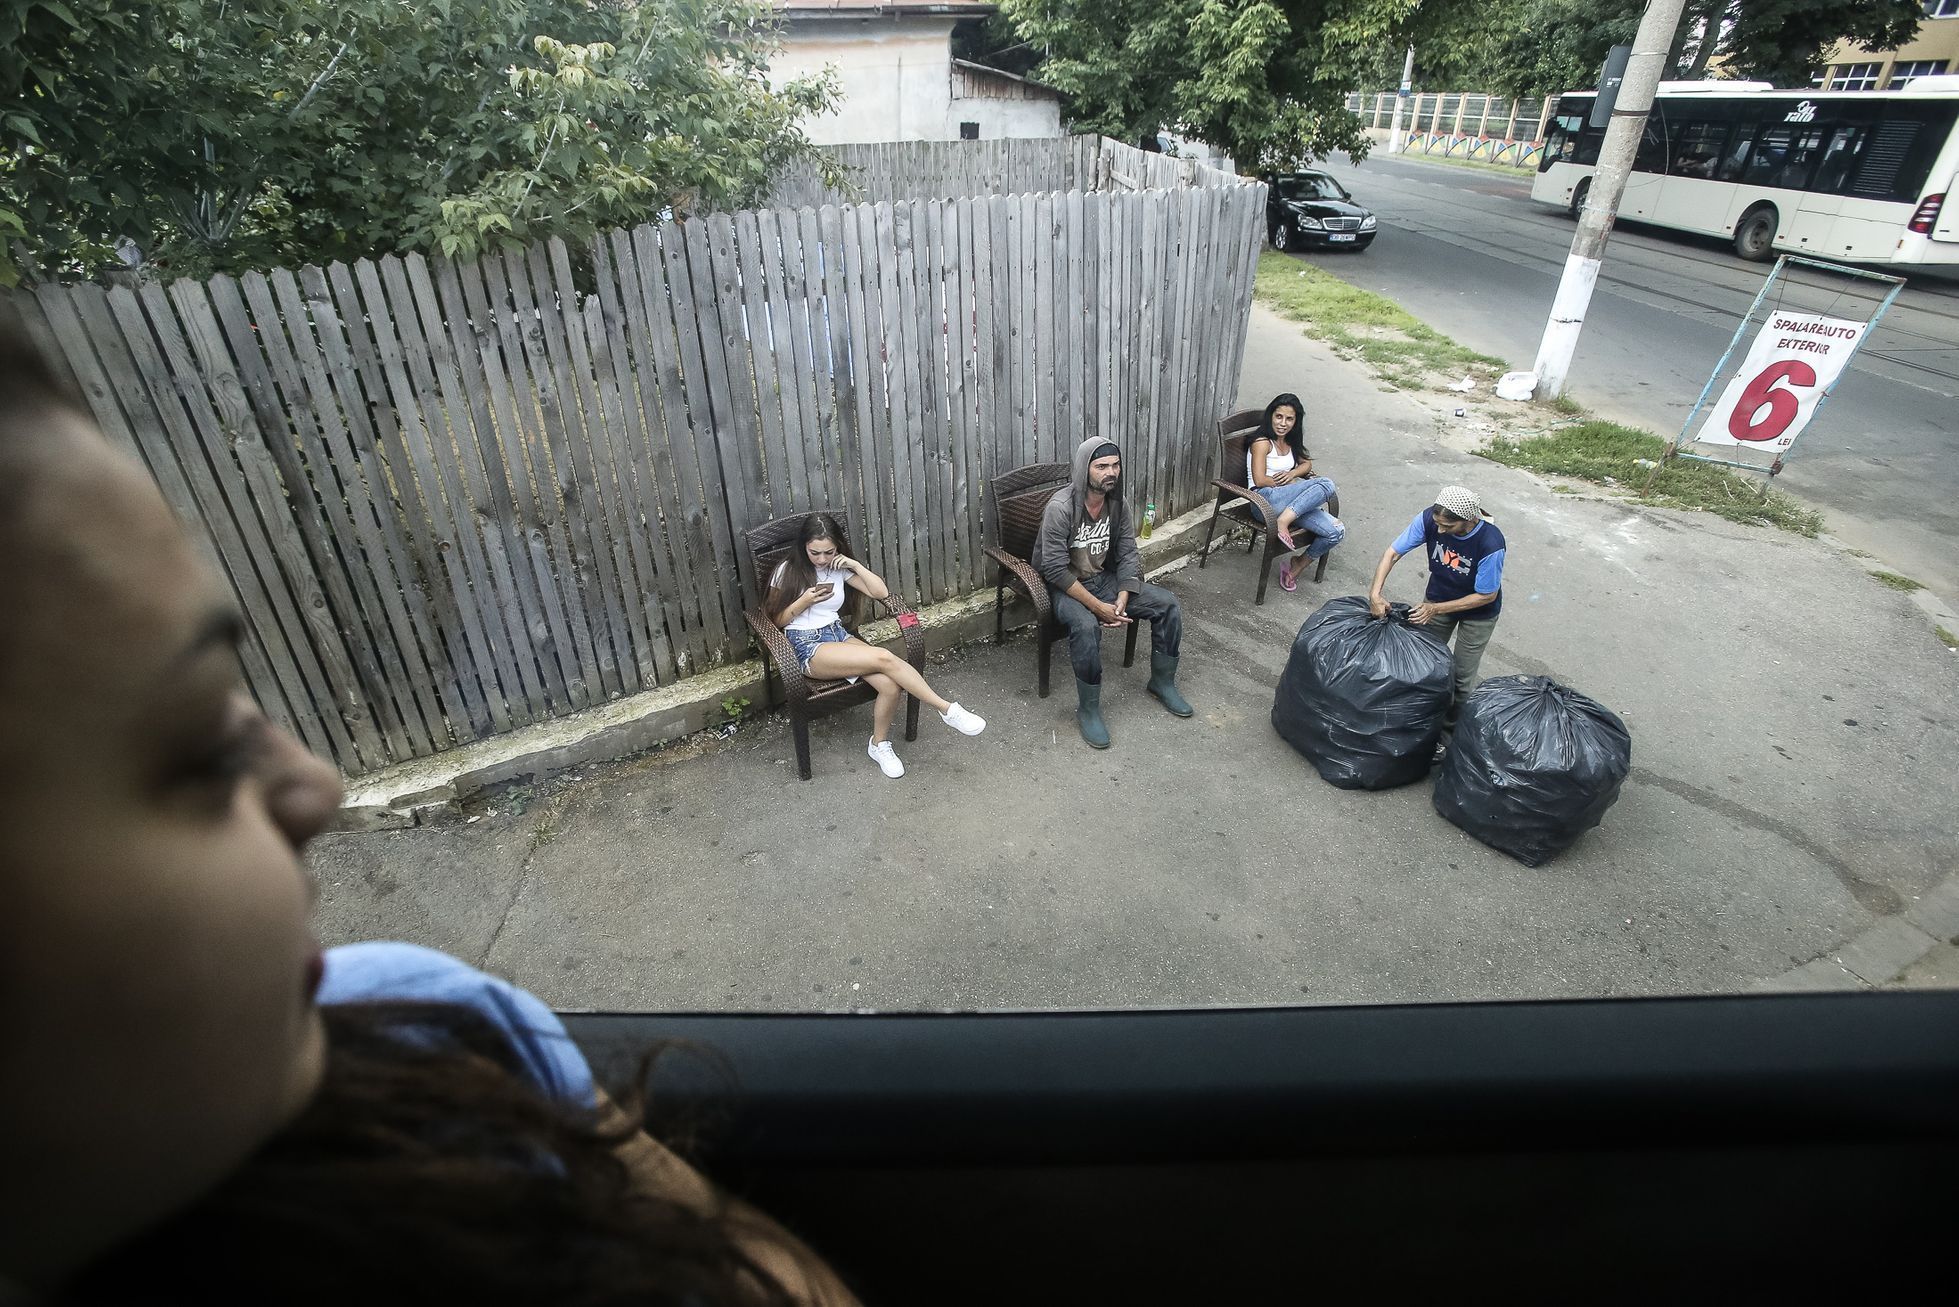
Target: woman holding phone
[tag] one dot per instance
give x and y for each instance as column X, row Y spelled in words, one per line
column 808, row 594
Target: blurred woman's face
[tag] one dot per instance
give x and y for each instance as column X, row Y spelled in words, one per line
column 1284, row 419
column 156, row 967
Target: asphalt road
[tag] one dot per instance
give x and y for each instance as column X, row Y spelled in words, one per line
column 1467, row 251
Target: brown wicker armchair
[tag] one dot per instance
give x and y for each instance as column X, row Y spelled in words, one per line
column 805, row 697
column 1019, row 498
column 1240, row 506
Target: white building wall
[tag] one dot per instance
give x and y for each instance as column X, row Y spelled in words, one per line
column 894, row 74
column 895, row 77
column 1000, row 118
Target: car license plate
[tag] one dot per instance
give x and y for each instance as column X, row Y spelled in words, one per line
column 1339, row 236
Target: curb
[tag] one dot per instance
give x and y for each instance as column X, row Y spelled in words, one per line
column 426, row 791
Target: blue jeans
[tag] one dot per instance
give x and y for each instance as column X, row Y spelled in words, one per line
column 1307, row 500
column 1152, row 604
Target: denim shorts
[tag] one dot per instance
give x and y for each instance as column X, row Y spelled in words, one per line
column 805, row 642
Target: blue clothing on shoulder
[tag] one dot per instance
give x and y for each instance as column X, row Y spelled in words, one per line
column 388, row 972
column 1459, row 566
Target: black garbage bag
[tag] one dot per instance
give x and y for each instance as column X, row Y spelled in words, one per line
column 1363, row 697
column 1532, row 766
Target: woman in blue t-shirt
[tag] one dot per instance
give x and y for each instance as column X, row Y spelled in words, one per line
column 1464, row 596
column 197, row 1104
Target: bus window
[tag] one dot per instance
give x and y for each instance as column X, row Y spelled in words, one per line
column 1734, row 164
column 1784, row 157
column 1561, row 142
column 1652, row 155
column 1697, row 149
column 1839, row 160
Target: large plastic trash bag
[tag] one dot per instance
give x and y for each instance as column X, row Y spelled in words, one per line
column 1363, row 697
column 1532, row 766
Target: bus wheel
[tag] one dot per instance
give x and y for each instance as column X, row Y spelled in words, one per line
column 1578, row 194
column 1755, row 233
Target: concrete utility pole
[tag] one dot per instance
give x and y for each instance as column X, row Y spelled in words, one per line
column 1601, row 208
column 1407, row 84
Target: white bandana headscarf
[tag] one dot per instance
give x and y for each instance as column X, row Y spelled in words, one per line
column 1461, row 502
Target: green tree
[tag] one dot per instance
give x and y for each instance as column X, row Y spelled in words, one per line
column 221, row 134
column 1265, row 80
column 1558, row 45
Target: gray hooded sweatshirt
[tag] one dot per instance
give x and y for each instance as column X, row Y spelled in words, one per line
column 1072, row 546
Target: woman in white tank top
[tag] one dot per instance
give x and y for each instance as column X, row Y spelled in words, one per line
column 808, row 594
column 1279, row 469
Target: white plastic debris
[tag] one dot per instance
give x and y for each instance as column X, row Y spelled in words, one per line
column 1519, row 386
column 1464, row 386
column 1462, row 412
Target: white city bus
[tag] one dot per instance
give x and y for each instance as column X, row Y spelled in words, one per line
column 1860, row 176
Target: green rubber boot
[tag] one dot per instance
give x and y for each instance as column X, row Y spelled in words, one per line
column 1163, row 684
column 1088, row 712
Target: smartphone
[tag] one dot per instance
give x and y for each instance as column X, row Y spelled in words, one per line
column 824, row 589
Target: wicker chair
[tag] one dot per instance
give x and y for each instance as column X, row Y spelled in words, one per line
column 804, row 696
column 1240, row 506
column 1019, row 498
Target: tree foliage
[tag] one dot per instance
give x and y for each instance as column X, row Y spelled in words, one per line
column 222, row 134
column 1265, row 80
column 1559, row 44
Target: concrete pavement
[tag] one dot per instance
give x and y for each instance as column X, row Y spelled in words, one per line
column 1793, row 748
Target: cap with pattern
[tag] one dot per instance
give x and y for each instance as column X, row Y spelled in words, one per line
column 1461, row 502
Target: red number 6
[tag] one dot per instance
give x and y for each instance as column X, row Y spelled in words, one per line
column 1747, row 423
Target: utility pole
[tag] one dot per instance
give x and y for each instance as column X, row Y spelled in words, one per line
column 1601, row 207
column 1407, row 84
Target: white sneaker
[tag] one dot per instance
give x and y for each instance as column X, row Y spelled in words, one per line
column 962, row 721
column 886, row 758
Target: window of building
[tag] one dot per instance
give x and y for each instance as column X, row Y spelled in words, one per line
column 1905, row 69
column 1854, row 77
column 1942, row 8
column 969, row 131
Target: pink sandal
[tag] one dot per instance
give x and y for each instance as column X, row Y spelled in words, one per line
column 1287, row 581
column 1285, row 538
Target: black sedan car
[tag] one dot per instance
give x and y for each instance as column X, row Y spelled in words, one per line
column 1311, row 211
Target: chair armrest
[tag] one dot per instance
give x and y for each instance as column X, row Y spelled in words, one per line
column 913, row 632
column 1263, row 509
column 776, row 647
column 1035, row 588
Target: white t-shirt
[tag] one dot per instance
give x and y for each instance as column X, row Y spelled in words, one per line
column 1278, row 458
column 821, row 614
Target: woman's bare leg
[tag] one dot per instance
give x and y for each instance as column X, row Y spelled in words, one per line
column 887, row 705
column 836, row 659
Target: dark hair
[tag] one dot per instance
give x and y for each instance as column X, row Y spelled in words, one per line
column 30, row 389
column 428, row 1170
column 797, row 575
column 1293, row 437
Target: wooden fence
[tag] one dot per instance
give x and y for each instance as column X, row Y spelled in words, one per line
column 924, row 170
column 456, row 498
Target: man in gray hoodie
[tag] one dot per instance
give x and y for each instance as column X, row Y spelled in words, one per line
column 1086, row 552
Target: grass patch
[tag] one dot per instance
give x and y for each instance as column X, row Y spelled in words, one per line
column 1903, row 584
column 1359, row 324
column 1606, row 452
column 1948, row 639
